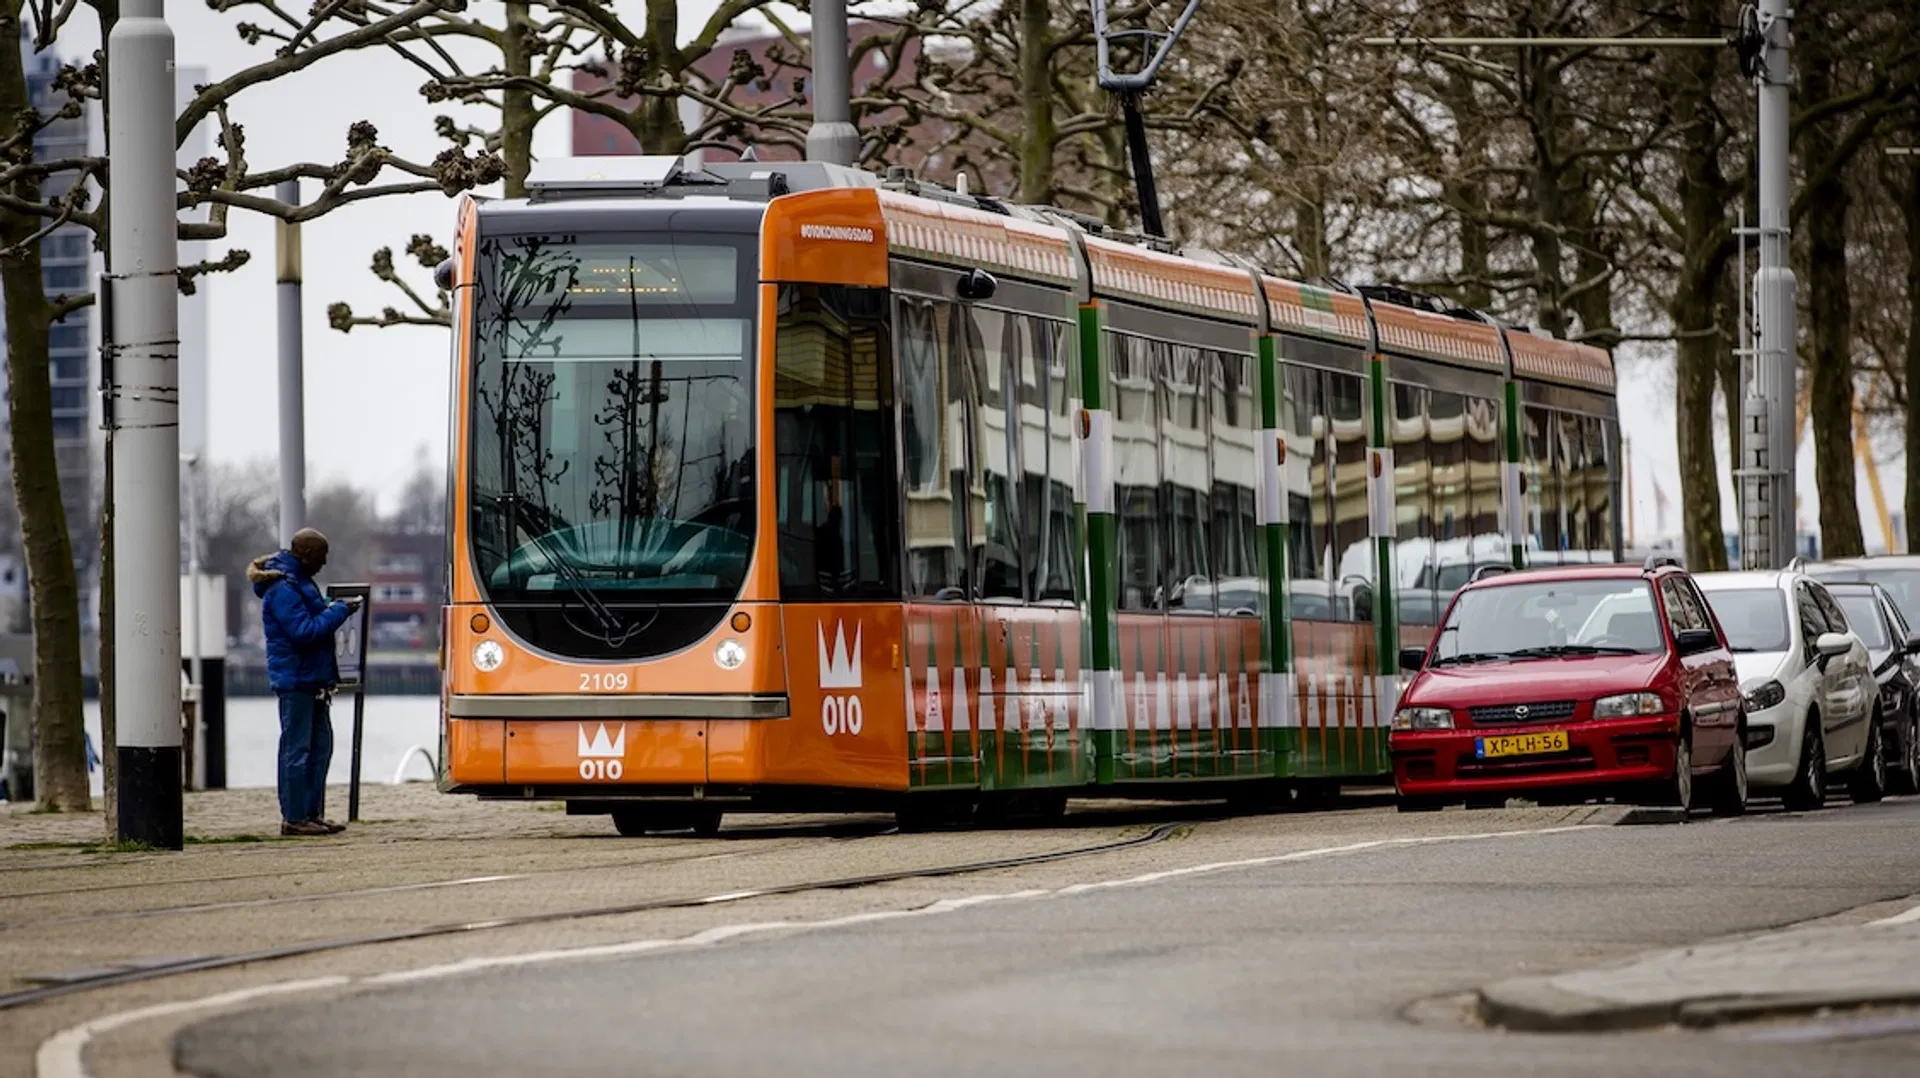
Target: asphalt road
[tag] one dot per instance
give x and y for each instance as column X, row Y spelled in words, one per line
column 1307, row 967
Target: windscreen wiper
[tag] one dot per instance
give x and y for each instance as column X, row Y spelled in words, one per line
column 564, row 569
column 1554, row 651
column 1465, row 658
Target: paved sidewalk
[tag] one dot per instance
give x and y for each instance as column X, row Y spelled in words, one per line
column 409, row 810
column 1848, row 961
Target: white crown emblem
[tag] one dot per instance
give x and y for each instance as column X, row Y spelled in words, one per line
column 600, row 746
column 841, row 669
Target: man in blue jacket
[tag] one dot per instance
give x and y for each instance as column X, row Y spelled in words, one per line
column 299, row 624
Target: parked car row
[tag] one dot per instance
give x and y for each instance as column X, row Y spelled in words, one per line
column 1653, row 685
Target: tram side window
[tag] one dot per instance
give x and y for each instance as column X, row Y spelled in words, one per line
column 1483, row 454
column 1543, row 484
column 1353, row 554
column 1046, row 457
column 1059, row 577
column 1186, row 475
column 1573, row 464
column 1600, row 501
column 995, row 530
column 1136, row 465
column 833, row 444
column 1415, row 540
column 1236, row 476
column 1303, row 481
column 935, row 451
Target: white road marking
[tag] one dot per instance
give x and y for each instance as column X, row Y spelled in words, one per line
column 1906, row 917
column 62, row 1055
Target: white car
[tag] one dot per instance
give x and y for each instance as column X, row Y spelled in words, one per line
column 1811, row 700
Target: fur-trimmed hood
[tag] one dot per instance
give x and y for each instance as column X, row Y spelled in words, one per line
column 267, row 570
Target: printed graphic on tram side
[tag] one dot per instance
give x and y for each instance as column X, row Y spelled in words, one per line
column 840, row 712
column 600, row 758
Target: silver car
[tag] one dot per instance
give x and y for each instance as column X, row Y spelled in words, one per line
column 1810, row 693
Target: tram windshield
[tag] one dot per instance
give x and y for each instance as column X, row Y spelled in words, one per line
column 611, row 427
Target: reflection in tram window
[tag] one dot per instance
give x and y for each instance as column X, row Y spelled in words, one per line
column 1236, row 558
column 994, row 533
column 1185, row 474
column 1413, row 504
column 1136, row 464
column 935, row 452
column 1352, row 546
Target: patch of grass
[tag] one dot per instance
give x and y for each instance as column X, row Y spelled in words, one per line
column 88, row 847
column 550, row 806
column 229, row 840
column 44, row 810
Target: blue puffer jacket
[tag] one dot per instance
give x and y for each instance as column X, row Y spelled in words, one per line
column 299, row 624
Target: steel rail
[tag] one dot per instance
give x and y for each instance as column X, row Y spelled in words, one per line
column 28, row 996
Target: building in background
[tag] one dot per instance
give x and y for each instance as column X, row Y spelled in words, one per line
column 924, row 152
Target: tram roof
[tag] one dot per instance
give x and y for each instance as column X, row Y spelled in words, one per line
column 927, row 221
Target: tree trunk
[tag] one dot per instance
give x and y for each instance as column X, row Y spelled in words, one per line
column 1830, row 309
column 60, row 758
column 1549, row 279
column 1036, row 104
column 656, row 120
column 517, row 115
column 1704, row 193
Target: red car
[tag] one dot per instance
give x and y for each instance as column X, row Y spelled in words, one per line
column 1567, row 683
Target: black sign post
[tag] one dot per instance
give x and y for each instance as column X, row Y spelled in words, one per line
column 350, row 655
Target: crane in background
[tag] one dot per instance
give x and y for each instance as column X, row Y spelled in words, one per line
column 1862, row 449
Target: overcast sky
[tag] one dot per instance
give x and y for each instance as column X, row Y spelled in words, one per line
column 376, row 397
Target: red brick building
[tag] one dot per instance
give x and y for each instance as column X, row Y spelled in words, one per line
column 595, row 136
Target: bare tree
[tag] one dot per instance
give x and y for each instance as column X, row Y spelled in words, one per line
column 38, row 196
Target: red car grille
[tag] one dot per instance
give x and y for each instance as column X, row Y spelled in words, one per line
column 1576, row 759
column 1513, row 714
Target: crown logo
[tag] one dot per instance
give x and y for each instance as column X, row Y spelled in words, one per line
column 598, row 745
column 841, row 669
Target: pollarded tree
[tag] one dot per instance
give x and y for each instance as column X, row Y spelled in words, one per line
column 37, row 196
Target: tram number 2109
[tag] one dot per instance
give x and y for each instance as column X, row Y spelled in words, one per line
column 841, row 715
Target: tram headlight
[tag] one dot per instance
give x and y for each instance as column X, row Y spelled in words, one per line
column 729, row 655
column 488, row 655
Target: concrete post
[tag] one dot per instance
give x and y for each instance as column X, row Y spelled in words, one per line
column 832, row 138
column 191, row 626
column 1767, row 453
column 146, row 439
column 293, row 399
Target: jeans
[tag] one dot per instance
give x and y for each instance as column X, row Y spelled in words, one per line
column 306, row 748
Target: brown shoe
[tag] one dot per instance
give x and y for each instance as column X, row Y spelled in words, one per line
column 332, row 828
column 304, row 827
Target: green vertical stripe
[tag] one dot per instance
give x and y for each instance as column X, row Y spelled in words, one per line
column 1101, row 550
column 1386, row 612
column 1276, row 645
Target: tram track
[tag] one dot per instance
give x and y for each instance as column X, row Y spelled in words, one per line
column 158, row 971
column 798, row 834
column 708, row 849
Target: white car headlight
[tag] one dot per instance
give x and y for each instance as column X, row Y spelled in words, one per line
column 1628, row 704
column 1765, row 694
column 1423, row 718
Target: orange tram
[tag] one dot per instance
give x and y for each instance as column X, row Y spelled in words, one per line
column 791, row 487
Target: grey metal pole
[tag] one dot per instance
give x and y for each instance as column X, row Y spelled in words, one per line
column 293, row 399
column 146, row 415
column 1768, row 519
column 832, row 138
column 192, row 624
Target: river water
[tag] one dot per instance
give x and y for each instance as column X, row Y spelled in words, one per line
column 393, row 725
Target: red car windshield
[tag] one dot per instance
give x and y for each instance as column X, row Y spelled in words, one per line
column 1548, row 619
